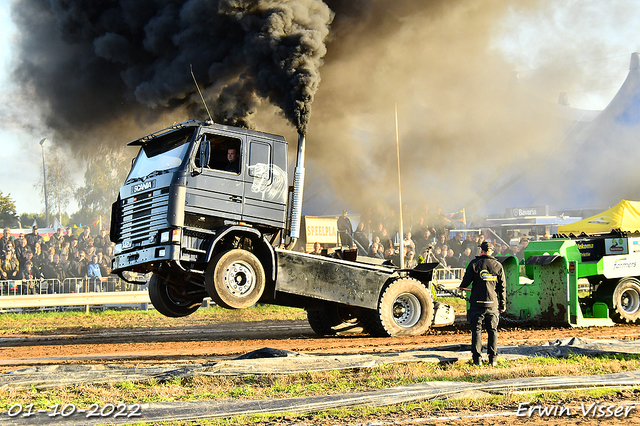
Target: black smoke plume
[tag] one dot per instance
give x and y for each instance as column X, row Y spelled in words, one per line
column 87, row 64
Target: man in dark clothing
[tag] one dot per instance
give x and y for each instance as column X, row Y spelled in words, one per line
column 345, row 230
column 34, row 237
column 488, row 299
column 233, row 161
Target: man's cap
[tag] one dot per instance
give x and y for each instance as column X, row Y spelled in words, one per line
column 344, row 212
column 34, row 227
column 486, row 246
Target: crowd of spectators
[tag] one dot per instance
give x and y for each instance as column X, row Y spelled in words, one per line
column 33, row 259
column 427, row 237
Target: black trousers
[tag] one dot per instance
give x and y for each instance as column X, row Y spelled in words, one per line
column 487, row 317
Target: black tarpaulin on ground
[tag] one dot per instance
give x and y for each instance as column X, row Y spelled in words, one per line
column 273, row 361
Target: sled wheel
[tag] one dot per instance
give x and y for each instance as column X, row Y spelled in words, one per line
column 626, row 301
column 235, row 279
column 405, row 309
column 171, row 300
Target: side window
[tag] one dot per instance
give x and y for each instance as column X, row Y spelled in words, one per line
column 225, row 153
column 259, row 160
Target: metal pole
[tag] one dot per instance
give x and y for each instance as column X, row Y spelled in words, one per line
column 44, row 177
column 399, row 193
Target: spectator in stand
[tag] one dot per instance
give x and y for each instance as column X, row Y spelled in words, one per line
column 38, row 256
column 9, row 266
column 469, row 242
column 69, row 235
column 386, row 240
column 452, row 260
column 102, row 241
column 391, row 255
column 379, row 231
column 30, row 279
column 65, row 248
column 48, row 269
column 361, row 237
column 426, row 241
column 34, row 237
column 497, row 249
column 94, row 274
column 109, row 254
column 105, row 267
column 65, row 264
column 524, row 242
column 442, row 241
column 467, row 256
column 90, row 251
column 57, row 239
column 408, row 242
column 410, row 261
column 6, row 239
column 73, row 248
column 441, row 223
column 345, row 230
column 317, row 248
column 21, row 250
column 83, row 239
column 437, row 254
column 455, row 243
column 78, row 266
column 8, row 247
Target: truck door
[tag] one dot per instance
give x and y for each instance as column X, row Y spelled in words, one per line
column 265, row 183
column 217, row 189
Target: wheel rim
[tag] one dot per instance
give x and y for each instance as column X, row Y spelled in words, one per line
column 239, row 279
column 406, row 310
column 630, row 301
column 177, row 298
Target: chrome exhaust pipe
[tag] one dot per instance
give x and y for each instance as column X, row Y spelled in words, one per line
column 298, row 186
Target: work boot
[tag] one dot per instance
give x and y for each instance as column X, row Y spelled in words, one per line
column 477, row 361
column 493, row 362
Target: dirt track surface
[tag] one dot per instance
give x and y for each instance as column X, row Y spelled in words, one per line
column 224, row 341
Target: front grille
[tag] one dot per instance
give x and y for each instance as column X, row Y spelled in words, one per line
column 143, row 215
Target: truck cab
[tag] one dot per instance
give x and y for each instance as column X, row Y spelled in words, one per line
column 192, row 188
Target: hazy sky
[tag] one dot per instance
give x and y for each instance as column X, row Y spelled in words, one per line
column 579, row 47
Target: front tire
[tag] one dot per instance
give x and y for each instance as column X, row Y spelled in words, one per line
column 235, row 279
column 626, row 301
column 171, row 301
column 405, row 309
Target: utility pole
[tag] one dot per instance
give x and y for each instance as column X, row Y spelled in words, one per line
column 44, row 177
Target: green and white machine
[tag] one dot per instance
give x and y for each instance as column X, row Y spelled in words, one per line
column 581, row 281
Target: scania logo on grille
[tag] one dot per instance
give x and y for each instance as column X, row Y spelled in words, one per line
column 143, row 186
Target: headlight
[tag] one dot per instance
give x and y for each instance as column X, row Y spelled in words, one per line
column 117, row 249
column 164, row 237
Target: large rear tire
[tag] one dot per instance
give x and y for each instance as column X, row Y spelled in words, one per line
column 235, row 279
column 626, row 301
column 332, row 319
column 405, row 309
column 170, row 300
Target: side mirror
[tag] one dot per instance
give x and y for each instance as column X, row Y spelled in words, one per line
column 205, row 152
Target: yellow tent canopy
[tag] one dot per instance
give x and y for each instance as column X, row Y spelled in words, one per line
column 624, row 216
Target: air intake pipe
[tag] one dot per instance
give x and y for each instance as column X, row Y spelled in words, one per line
column 298, row 186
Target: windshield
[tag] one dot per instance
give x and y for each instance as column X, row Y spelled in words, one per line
column 161, row 154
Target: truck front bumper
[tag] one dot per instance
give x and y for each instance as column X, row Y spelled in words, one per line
column 141, row 257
